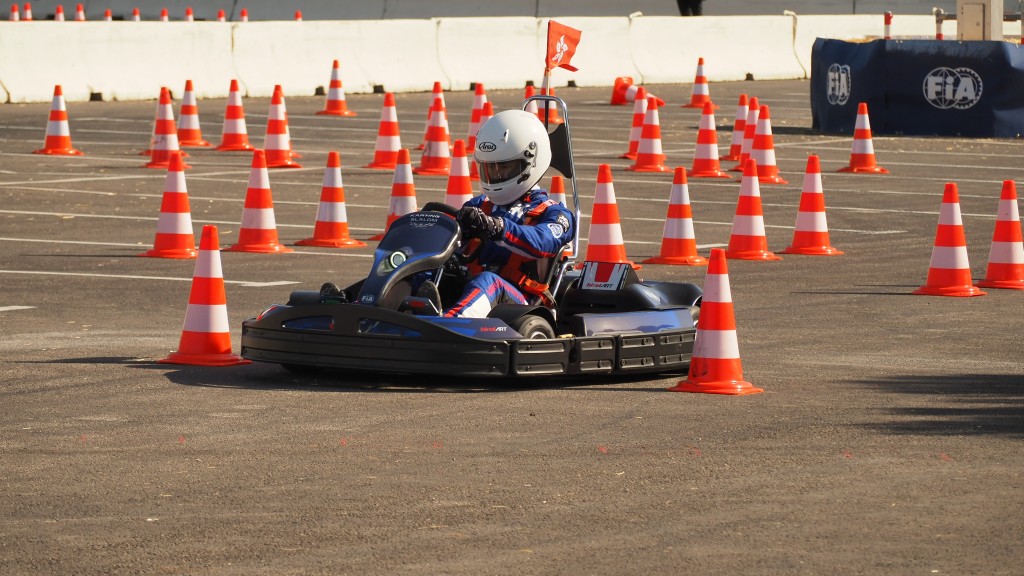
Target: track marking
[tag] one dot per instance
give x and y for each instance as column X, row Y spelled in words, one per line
column 141, row 246
column 13, row 308
column 243, row 283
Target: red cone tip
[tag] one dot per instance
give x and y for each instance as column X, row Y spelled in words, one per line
column 165, row 95
column 479, row 89
column 700, row 61
column 750, row 168
column 333, row 160
column 259, row 158
column 389, row 99
column 188, row 86
column 763, row 113
column 813, row 164
column 437, row 88
column 403, row 156
column 460, row 148
column 557, row 184
column 176, row 164
column 277, row 98
column 743, row 100
column 716, row 262
column 234, row 85
column 709, row 108
column 862, row 109
column 335, row 65
column 604, row 174
column 753, row 103
column 679, row 177
column 652, row 103
column 209, row 240
column 58, row 90
column 488, row 109
column 950, row 195
column 1009, row 190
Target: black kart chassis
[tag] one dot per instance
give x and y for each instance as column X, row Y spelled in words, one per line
column 440, row 351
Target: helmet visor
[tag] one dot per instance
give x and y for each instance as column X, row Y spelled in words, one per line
column 495, row 172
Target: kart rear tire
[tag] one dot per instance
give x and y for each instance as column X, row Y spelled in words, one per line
column 533, row 327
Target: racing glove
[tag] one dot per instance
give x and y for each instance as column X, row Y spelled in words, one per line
column 476, row 224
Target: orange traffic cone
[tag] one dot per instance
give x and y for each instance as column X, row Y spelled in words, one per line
column 811, row 234
column 1006, row 257
column 479, row 99
column 531, row 107
column 189, row 133
column 748, row 241
column 949, row 273
column 738, row 126
column 557, row 193
column 649, row 157
column 437, row 95
column 715, row 366
column 389, row 141
column 166, row 134
column 678, row 244
column 336, row 105
column 234, row 136
column 763, row 149
column 437, row 158
column 701, row 92
column 58, row 132
column 28, row 12
column 206, row 335
column 862, row 156
column 277, row 143
column 604, row 239
column 79, row 13
column 331, row 227
column 487, row 114
column 58, row 13
column 14, row 16
column 620, row 88
column 174, row 236
column 460, row 188
column 258, row 231
column 403, row 192
column 749, row 127
column 164, row 16
column 639, row 113
column 705, row 155
column 189, row 14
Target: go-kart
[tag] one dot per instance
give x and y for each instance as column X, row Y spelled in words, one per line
column 597, row 318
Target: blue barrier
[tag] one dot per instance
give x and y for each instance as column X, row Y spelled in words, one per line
column 919, row 87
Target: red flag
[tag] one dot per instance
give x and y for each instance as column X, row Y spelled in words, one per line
column 562, row 41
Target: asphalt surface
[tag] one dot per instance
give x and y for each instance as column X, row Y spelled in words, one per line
column 888, row 439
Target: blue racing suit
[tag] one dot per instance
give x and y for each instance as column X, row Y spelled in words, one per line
column 536, row 228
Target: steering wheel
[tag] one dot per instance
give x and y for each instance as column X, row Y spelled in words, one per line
column 453, row 212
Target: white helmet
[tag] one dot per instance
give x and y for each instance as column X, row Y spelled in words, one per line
column 512, row 154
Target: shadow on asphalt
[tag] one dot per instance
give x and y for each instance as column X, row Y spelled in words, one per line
column 966, row 404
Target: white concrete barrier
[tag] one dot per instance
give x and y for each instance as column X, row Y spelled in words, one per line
column 120, row 61
column 131, row 60
column 297, row 55
column 500, row 53
column 666, row 49
column 400, row 55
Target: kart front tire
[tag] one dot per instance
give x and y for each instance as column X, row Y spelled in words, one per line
column 533, row 327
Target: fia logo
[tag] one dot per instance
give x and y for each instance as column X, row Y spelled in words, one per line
column 839, row 84
column 947, row 88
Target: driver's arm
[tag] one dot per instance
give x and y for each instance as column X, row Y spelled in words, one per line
column 542, row 239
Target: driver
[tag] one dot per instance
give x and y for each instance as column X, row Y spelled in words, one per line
column 513, row 224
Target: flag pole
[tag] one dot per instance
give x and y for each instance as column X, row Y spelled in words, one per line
column 544, row 90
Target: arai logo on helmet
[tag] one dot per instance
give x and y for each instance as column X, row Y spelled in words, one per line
column 958, row 88
column 486, row 147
